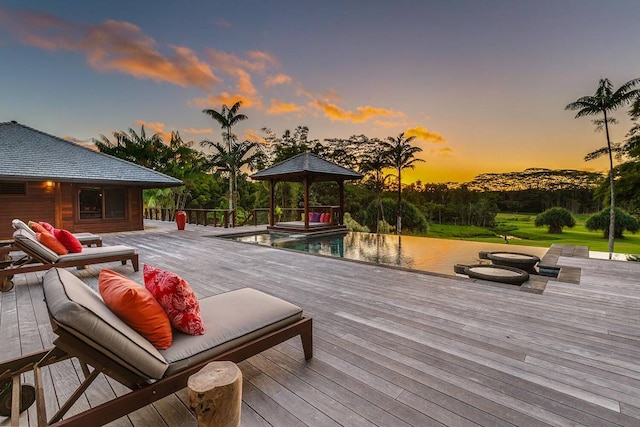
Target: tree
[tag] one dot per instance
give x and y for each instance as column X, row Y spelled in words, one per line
column 402, row 156
column 604, row 101
column 556, row 219
column 238, row 155
column 227, row 117
column 624, row 221
column 147, row 151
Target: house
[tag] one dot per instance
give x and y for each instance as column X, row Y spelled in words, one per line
column 46, row 178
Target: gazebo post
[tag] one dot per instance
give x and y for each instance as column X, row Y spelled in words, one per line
column 305, row 183
column 341, row 192
column 272, row 199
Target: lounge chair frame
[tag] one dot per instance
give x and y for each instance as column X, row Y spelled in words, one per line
column 143, row 393
column 32, row 261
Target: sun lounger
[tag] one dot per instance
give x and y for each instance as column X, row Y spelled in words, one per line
column 87, row 239
column 38, row 257
column 238, row 325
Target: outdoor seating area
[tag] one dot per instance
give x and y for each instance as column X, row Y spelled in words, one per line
column 390, row 346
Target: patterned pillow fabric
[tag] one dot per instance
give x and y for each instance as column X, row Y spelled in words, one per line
column 68, row 240
column 135, row 305
column 47, row 226
column 176, row 298
column 50, row 241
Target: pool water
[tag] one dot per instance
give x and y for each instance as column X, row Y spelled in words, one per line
column 419, row 253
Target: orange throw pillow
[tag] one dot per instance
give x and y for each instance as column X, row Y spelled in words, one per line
column 135, row 305
column 52, row 243
column 38, row 228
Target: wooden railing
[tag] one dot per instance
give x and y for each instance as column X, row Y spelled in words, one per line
column 261, row 215
column 215, row 217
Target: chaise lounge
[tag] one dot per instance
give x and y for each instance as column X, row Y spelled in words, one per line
column 240, row 324
column 87, row 239
column 39, row 258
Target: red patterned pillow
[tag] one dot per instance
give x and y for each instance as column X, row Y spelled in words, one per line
column 176, row 298
column 136, row 307
column 50, row 241
column 68, row 240
column 47, row 226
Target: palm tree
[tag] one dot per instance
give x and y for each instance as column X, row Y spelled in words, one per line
column 604, row 101
column 227, row 117
column 402, row 156
column 246, row 153
column 374, row 162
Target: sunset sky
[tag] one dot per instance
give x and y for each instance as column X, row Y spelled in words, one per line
column 482, row 84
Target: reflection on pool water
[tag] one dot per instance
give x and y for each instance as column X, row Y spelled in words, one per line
column 419, row 253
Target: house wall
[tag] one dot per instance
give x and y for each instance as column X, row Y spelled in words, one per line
column 57, row 204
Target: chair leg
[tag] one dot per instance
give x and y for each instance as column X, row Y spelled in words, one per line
column 307, row 339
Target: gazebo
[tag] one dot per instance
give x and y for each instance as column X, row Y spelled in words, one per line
column 307, row 168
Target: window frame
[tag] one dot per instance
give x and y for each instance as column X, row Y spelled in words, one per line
column 103, row 211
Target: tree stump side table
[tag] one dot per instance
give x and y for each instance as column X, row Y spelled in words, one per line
column 215, row 394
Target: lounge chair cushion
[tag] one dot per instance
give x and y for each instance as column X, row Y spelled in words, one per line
column 135, row 305
column 231, row 319
column 50, row 241
column 69, row 241
column 20, row 225
column 81, row 311
column 176, row 298
column 29, row 240
column 88, row 254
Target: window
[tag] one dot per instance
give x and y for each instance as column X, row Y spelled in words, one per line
column 101, row 203
column 13, row 188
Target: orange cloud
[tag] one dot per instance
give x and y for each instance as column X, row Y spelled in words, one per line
column 425, row 134
column 362, row 114
column 442, row 151
column 197, row 131
column 113, row 46
column 279, row 79
column 278, row 106
column 155, row 127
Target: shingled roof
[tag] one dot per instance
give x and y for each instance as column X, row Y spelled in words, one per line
column 28, row 154
column 306, row 164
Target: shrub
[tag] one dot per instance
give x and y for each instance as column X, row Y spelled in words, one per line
column 556, row 219
column 412, row 218
column 624, row 221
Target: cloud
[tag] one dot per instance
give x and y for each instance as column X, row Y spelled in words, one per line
column 425, row 134
column 446, row 152
column 83, row 143
column 278, row 106
column 113, row 46
column 223, row 23
column 362, row 114
column 197, row 131
column 155, row 127
column 279, row 79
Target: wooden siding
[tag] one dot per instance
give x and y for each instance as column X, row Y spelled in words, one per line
column 58, row 205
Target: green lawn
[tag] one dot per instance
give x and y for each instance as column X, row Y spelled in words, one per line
column 523, row 231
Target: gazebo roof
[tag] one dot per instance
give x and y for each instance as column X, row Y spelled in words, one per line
column 306, row 165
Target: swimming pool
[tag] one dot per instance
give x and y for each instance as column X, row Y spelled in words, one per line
column 418, row 253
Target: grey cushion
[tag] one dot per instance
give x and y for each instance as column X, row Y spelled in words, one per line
column 90, row 253
column 20, row 225
column 81, row 311
column 230, row 319
column 29, row 240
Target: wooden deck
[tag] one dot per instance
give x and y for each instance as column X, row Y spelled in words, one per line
column 391, row 347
